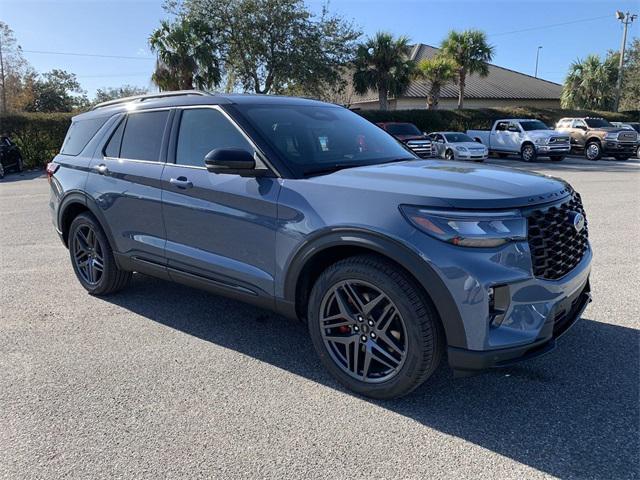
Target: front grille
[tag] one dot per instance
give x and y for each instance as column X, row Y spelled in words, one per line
column 628, row 136
column 556, row 246
column 559, row 140
column 420, row 147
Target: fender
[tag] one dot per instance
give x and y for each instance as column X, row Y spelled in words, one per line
column 76, row 196
column 393, row 249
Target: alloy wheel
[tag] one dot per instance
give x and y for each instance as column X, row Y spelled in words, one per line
column 528, row 153
column 449, row 155
column 363, row 331
column 88, row 254
column 593, row 151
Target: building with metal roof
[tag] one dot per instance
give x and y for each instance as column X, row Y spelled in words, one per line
column 501, row 88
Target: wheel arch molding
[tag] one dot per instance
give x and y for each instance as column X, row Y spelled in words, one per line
column 359, row 241
column 69, row 203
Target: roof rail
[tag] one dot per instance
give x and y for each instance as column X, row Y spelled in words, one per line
column 142, row 98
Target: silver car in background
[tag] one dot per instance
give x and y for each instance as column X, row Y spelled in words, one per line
column 458, row 146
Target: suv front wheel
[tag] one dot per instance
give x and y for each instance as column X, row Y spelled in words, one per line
column 374, row 329
column 92, row 257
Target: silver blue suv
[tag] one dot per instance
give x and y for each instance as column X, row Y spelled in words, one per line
column 308, row 209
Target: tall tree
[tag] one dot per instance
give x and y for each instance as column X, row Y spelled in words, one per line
column 106, row 94
column 382, row 64
column 590, row 83
column 631, row 80
column 269, row 46
column 188, row 55
column 471, row 52
column 13, row 67
column 57, row 91
column 438, row 71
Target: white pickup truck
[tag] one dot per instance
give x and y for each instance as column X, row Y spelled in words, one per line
column 527, row 138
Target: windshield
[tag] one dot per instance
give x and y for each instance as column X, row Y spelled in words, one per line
column 458, row 137
column 315, row 139
column 597, row 123
column 533, row 125
column 403, row 129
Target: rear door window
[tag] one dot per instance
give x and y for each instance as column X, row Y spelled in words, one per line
column 113, row 146
column 79, row 134
column 142, row 137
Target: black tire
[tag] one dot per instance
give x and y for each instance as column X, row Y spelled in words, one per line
column 556, row 158
column 528, row 153
column 593, row 151
column 503, row 155
column 1, row 170
column 19, row 164
column 423, row 337
column 449, row 155
column 622, row 157
column 111, row 278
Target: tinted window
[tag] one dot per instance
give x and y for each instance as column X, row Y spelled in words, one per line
column 79, row 134
column 113, row 147
column 203, row 130
column 403, row 129
column 598, row 123
column 314, row 139
column 501, row 126
column 458, row 137
column 142, row 136
column 530, row 125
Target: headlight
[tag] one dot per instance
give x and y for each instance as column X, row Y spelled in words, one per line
column 611, row 136
column 461, row 149
column 542, row 141
column 468, row 228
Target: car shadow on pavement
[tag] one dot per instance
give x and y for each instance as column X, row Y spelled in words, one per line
column 26, row 175
column 573, row 413
column 569, row 164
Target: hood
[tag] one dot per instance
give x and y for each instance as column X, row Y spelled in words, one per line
column 406, row 138
column 545, row 134
column 451, row 184
column 468, row 145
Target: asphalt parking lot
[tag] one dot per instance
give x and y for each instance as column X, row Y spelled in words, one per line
column 165, row 381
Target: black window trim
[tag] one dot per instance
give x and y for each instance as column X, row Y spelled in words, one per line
column 163, row 144
column 175, row 130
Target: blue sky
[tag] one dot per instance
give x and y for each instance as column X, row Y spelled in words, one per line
column 121, row 28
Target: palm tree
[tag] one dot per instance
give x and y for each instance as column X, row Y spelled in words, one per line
column 590, row 83
column 471, row 52
column 382, row 64
column 438, row 71
column 187, row 56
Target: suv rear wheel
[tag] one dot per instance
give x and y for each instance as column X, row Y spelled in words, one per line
column 374, row 329
column 92, row 257
column 593, row 151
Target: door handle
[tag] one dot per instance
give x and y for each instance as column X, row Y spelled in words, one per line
column 102, row 169
column 181, row 182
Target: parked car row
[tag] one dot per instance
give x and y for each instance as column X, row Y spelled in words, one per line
column 449, row 145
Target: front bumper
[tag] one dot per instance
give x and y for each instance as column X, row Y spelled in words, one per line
column 463, row 360
column 551, row 149
column 620, row 148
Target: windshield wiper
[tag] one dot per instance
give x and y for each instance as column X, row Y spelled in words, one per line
column 326, row 169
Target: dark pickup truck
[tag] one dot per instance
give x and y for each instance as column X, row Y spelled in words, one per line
column 419, row 142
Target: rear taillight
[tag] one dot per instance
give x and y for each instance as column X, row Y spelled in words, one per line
column 51, row 169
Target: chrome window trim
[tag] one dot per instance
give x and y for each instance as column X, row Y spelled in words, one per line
column 261, row 157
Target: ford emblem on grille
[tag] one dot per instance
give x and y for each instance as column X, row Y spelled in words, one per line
column 578, row 221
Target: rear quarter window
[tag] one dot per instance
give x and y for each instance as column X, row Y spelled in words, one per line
column 79, row 134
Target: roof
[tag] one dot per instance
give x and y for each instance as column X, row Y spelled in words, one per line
column 193, row 98
column 501, row 83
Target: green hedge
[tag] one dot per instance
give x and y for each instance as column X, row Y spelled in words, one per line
column 461, row 120
column 38, row 135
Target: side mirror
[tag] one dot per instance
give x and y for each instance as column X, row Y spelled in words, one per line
column 230, row 160
column 581, row 127
column 478, row 140
column 513, row 129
